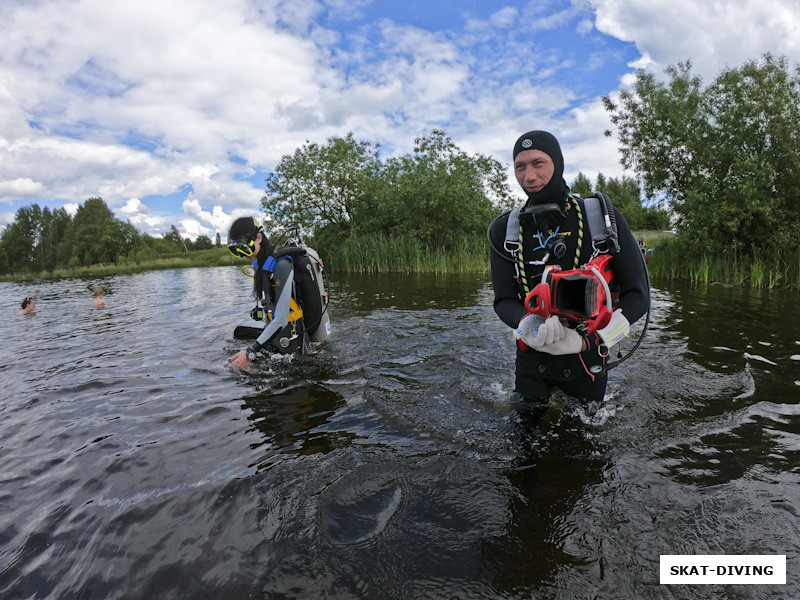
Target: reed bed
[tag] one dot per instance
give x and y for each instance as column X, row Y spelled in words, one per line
column 383, row 254
column 779, row 269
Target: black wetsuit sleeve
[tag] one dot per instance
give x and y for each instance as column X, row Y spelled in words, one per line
column 630, row 273
column 283, row 276
column 507, row 304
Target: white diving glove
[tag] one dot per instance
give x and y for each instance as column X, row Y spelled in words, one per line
column 617, row 328
column 527, row 328
column 554, row 338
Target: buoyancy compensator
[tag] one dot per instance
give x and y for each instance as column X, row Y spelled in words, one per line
column 310, row 280
column 310, row 284
column 583, row 296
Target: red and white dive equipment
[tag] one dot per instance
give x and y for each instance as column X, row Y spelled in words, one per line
column 581, row 296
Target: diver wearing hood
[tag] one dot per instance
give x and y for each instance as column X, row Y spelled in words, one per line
column 553, row 231
column 539, row 168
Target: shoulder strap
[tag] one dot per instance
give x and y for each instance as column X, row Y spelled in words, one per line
column 594, row 218
column 512, row 230
column 602, row 223
column 269, row 264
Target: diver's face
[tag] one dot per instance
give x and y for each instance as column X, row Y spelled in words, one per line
column 533, row 170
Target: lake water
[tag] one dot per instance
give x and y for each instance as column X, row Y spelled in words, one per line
column 391, row 462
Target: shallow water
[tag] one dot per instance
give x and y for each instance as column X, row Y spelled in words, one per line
column 391, row 462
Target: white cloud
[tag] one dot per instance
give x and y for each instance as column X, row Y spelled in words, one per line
column 139, row 216
column 714, row 34
column 21, row 186
column 586, row 149
column 203, row 222
column 505, row 17
column 133, row 207
column 194, row 97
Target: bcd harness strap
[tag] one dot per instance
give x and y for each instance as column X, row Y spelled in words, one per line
column 602, row 230
column 295, row 312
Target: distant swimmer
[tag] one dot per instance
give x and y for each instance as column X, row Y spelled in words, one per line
column 28, row 307
column 99, row 300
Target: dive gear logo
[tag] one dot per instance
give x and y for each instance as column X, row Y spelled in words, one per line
column 526, row 143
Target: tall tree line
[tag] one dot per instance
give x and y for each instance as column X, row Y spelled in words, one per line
column 437, row 195
column 626, row 195
column 44, row 240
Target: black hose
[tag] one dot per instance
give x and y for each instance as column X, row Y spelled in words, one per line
column 613, row 364
column 491, row 243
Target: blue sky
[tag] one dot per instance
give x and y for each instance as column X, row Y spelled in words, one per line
column 174, row 111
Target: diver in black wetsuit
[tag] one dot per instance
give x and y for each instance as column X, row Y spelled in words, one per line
column 557, row 355
column 273, row 288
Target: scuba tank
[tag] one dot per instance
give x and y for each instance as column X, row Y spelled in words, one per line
column 309, row 279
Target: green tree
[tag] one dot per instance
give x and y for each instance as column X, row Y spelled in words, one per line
column 203, row 242
column 626, row 195
column 725, row 155
column 323, row 184
column 84, row 238
column 218, row 241
column 581, row 186
column 19, row 239
column 119, row 241
column 54, row 227
column 436, row 195
column 173, row 241
column 440, row 195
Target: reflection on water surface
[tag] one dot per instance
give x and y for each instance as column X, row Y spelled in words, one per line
column 391, row 462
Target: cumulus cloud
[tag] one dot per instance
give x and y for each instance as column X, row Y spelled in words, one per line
column 6, row 219
column 714, row 35
column 197, row 100
column 209, row 223
column 21, row 186
column 139, row 215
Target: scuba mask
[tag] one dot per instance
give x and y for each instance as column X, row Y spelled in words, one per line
column 242, row 248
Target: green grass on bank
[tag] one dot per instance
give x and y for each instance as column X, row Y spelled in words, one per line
column 381, row 254
column 204, row 258
column 781, row 269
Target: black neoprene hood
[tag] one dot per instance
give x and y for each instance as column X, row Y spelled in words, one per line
column 556, row 189
column 243, row 228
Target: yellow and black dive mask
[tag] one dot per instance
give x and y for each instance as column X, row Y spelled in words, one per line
column 242, row 248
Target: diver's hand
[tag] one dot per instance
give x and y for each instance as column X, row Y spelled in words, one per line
column 553, row 338
column 526, row 330
column 239, row 360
